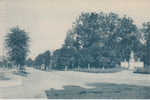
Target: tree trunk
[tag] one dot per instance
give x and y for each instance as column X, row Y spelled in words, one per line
column 66, row 68
column 21, row 68
column 45, row 67
column 78, row 68
column 88, row 67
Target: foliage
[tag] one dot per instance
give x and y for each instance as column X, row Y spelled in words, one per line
column 99, row 40
column 29, row 62
column 17, row 43
column 43, row 59
column 103, row 40
column 146, row 31
column 64, row 57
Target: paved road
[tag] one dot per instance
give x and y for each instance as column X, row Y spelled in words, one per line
column 38, row 81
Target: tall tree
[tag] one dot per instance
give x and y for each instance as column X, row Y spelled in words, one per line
column 125, row 37
column 146, row 31
column 17, row 43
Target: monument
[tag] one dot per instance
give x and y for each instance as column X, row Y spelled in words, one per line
column 132, row 64
column 132, row 61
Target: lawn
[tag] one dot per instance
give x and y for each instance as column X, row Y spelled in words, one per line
column 101, row 91
column 100, row 70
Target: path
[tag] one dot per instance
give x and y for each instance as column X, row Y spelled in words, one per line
column 38, row 81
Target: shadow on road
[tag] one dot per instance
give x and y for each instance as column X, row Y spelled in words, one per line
column 24, row 74
column 101, row 91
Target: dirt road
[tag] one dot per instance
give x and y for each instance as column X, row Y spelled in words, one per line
column 35, row 84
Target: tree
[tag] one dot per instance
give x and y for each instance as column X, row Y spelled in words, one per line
column 43, row 59
column 146, row 31
column 17, row 44
column 38, row 61
column 46, row 59
column 69, row 40
column 125, row 37
column 85, row 33
column 29, row 62
column 55, row 58
column 64, row 57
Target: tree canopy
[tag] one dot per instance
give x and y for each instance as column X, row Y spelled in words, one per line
column 43, row 59
column 146, row 31
column 17, row 44
column 102, row 40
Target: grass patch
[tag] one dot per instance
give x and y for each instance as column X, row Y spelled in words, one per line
column 101, row 91
column 100, row 70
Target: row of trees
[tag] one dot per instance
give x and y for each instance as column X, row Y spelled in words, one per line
column 95, row 39
column 103, row 40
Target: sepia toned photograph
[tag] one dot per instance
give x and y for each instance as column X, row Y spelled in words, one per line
column 74, row 49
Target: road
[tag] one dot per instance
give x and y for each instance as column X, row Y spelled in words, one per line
column 35, row 84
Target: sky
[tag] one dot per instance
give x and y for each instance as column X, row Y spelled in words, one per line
column 47, row 21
